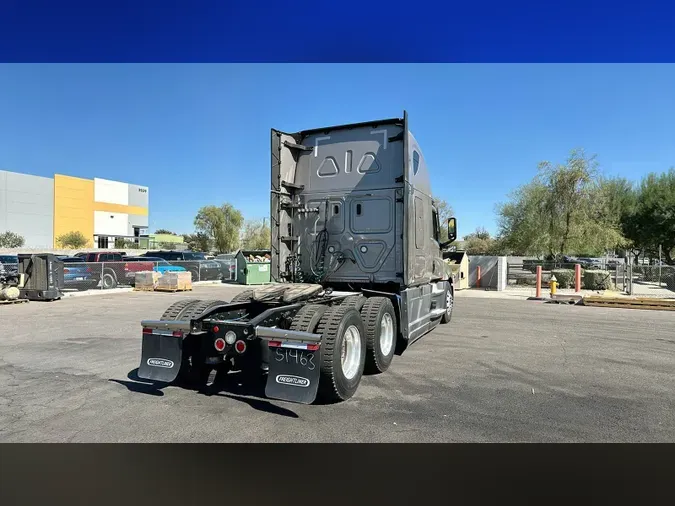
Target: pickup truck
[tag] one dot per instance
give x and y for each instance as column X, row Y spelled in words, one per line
column 158, row 264
column 195, row 262
column 115, row 268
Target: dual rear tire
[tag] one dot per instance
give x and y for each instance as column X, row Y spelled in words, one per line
column 358, row 336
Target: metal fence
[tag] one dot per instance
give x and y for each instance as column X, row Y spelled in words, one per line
column 651, row 280
column 523, row 275
column 79, row 276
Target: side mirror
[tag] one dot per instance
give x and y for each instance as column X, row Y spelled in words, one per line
column 452, row 233
column 452, row 229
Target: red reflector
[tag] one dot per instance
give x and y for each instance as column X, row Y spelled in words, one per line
column 312, row 347
column 240, row 346
column 219, row 344
column 177, row 333
column 275, row 344
column 147, row 331
column 216, row 328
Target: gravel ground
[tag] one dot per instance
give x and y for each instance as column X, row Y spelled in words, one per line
column 503, row 370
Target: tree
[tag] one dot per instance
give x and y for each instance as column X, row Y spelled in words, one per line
column 651, row 221
column 520, row 221
column 220, row 224
column 562, row 210
column 481, row 243
column 72, row 240
column 164, row 231
column 11, row 240
column 168, row 245
column 256, row 235
column 197, row 242
column 444, row 212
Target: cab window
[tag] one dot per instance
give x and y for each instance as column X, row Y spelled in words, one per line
column 435, row 227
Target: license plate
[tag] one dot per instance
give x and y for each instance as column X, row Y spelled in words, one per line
column 81, row 278
column 293, row 374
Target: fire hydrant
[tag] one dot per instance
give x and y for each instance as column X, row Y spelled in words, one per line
column 553, row 283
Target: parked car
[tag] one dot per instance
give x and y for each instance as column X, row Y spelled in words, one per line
column 195, row 262
column 158, row 264
column 77, row 274
column 591, row 263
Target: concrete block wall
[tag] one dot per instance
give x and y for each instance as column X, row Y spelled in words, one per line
column 493, row 271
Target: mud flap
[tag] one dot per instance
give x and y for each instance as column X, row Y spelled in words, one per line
column 293, row 374
column 161, row 357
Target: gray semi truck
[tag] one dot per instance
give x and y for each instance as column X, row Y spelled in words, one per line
column 357, row 261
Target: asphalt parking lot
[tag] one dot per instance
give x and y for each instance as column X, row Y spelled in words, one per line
column 502, row 371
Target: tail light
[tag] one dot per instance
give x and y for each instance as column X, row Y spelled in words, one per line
column 175, row 333
column 66, row 270
column 240, row 347
column 219, row 344
column 308, row 347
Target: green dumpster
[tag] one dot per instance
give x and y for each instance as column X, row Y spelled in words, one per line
column 253, row 267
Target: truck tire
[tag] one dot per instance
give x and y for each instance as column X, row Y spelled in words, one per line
column 174, row 310
column 194, row 274
column 307, row 319
column 201, row 306
column 355, row 301
column 449, row 301
column 108, row 280
column 244, row 296
column 379, row 318
column 343, row 353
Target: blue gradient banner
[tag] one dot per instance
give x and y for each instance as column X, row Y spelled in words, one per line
column 345, row 31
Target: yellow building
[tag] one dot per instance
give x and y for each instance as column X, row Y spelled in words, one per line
column 100, row 209
column 42, row 208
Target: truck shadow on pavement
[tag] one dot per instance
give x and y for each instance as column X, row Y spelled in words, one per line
column 236, row 386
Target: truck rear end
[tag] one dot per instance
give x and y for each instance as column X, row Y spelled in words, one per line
column 356, row 257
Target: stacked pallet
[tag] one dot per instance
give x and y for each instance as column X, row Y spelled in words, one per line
column 146, row 281
column 175, row 282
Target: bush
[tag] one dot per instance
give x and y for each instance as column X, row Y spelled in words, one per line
column 11, row 240
column 565, row 277
column 72, row 240
column 526, row 281
column 597, row 280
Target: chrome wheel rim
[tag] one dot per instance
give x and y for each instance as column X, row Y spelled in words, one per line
column 386, row 334
column 448, row 302
column 350, row 355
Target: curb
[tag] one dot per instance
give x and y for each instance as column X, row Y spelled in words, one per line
column 87, row 293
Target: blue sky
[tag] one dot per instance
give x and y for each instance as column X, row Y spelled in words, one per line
column 199, row 134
